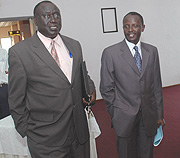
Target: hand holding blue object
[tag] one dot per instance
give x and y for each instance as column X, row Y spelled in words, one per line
column 159, row 136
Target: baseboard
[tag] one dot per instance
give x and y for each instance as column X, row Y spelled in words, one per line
column 172, row 86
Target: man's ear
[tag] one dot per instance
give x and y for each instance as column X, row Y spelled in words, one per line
column 143, row 27
column 35, row 20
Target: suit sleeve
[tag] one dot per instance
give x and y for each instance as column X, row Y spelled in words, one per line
column 90, row 81
column 91, row 84
column 158, row 87
column 107, row 85
column 17, row 92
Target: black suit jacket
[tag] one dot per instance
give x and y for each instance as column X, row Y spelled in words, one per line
column 125, row 89
column 42, row 100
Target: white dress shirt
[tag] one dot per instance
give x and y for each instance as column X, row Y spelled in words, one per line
column 65, row 57
column 131, row 47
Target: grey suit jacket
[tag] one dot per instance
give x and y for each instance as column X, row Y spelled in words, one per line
column 125, row 90
column 42, row 100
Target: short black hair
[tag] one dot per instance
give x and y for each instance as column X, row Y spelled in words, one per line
column 135, row 13
column 37, row 5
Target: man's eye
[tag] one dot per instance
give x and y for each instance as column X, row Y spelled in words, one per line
column 56, row 15
column 126, row 26
column 47, row 16
column 135, row 26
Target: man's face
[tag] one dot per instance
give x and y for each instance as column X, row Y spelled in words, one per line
column 133, row 27
column 48, row 20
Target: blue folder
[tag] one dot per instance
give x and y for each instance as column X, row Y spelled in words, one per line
column 159, row 136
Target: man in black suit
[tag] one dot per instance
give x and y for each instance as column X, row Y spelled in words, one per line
column 131, row 87
column 45, row 93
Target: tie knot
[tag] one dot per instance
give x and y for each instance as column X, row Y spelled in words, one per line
column 135, row 48
column 52, row 42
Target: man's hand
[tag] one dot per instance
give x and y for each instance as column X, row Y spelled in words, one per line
column 161, row 122
column 92, row 99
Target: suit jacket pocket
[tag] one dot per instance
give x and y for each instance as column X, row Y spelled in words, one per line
column 121, row 105
column 41, row 116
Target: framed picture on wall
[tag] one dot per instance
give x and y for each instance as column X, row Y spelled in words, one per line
column 109, row 20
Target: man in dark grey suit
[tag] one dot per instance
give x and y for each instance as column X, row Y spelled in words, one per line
column 133, row 92
column 45, row 94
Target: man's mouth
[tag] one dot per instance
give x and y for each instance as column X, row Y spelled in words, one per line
column 131, row 35
column 53, row 27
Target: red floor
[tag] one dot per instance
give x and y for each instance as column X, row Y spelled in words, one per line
column 170, row 145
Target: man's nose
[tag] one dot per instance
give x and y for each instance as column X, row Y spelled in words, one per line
column 53, row 18
column 130, row 28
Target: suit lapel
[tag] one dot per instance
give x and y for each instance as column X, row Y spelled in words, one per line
column 126, row 54
column 130, row 60
column 145, row 57
column 42, row 52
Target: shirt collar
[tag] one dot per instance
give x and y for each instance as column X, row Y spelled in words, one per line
column 131, row 45
column 47, row 41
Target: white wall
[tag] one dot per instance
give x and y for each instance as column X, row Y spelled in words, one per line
column 82, row 21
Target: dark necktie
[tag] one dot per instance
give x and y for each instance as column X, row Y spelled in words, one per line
column 54, row 53
column 137, row 59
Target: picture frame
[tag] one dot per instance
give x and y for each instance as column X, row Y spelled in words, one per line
column 109, row 20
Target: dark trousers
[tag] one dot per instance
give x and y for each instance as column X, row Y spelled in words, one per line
column 71, row 148
column 4, row 106
column 138, row 145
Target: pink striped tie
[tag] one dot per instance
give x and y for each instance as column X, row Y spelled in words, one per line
column 54, row 53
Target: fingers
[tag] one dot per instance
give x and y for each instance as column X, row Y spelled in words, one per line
column 161, row 122
column 92, row 99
